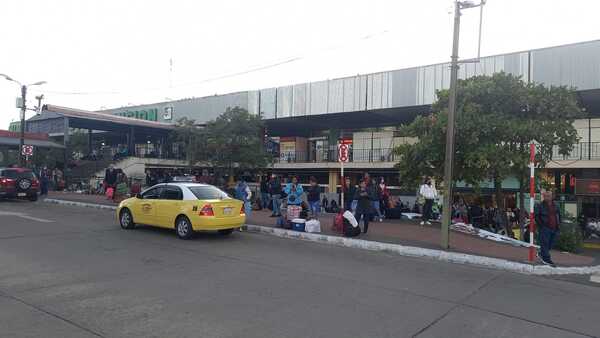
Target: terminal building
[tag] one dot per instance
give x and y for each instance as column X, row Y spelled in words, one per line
column 307, row 120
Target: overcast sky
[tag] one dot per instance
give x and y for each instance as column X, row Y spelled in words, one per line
column 111, row 53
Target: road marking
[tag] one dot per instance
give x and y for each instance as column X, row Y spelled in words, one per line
column 25, row 216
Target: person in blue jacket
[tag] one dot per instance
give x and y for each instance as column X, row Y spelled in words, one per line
column 294, row 192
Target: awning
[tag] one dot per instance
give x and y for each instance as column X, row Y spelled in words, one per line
column 10, row 141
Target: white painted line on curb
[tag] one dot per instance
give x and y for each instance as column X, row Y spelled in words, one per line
column 401, row 250
column 410, row 251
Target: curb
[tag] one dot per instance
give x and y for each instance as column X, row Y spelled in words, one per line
column 80, row 204
column 439, row 255
column 398, row 249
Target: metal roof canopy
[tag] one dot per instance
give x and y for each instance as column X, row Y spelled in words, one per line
column 11, row 141
column 101, row 121
column 303, row 125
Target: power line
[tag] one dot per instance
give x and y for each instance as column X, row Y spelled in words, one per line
column 219, row 77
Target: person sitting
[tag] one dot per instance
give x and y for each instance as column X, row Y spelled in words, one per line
column 325, row 203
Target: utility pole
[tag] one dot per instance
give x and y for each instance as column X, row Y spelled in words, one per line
column 39, row 98
column 23, row 109
column 22, row 138
column 449, row 160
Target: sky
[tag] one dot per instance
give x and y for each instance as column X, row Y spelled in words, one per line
column 99, row 54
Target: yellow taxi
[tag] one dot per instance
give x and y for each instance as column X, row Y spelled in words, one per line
column 185, row 207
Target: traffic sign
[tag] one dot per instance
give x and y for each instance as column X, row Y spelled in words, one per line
column 27, row 150
column 343, row 153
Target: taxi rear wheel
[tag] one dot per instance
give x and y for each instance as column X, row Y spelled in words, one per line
column 183, row 228
column 126, row 220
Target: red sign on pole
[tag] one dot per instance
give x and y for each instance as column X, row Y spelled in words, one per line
column 343, row 153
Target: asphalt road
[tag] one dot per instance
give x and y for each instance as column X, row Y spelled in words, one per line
column 72, row 272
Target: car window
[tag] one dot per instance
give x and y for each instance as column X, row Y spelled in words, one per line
column 152, row 194
column 14, row 174
column 172, row 193
column 208, row 192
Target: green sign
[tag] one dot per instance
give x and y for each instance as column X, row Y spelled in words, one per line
column 14, row 126
column 145, row 114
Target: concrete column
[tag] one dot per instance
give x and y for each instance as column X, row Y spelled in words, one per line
column 89, row 141
column 66, row 139
column 333, row 180
column 131, row 144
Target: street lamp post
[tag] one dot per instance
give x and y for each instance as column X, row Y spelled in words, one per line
column 23, row 110
column 449, row 159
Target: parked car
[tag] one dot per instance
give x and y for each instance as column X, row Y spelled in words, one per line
column 19, row 183
column 185, row 207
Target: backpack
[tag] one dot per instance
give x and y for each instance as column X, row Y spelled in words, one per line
column 349, row 230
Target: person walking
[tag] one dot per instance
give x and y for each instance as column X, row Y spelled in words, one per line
column 244, row 194
column 547, row 218
column 384, row 196
column 428, row 192
column 313, row 196
column 364, row 205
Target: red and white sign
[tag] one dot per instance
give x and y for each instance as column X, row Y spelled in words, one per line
column 27, row 150
column 343, row 153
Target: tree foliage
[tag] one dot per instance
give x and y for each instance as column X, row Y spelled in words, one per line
column 497, row 118
column 232, row 140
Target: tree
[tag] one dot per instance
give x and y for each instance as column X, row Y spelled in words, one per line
column 498, row 117
column 193, row 138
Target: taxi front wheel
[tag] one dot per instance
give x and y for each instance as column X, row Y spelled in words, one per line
column 183, row 228
column 126, row 219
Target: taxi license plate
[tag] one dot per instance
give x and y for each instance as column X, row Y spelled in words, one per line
column 227, row 211
column 21, row 194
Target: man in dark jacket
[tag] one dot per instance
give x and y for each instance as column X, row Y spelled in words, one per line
column 364, row 207
column 275, row 192
column 547, row 219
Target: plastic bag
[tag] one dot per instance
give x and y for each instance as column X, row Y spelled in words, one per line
column 350, row 217
column 312, row 225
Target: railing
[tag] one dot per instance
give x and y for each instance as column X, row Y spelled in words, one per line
column 580, row 151
column 356, row 155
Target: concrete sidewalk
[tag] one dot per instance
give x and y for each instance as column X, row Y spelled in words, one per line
column 402, row 232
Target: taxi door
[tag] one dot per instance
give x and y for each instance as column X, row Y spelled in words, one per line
column 144, row 211
column 168, row 206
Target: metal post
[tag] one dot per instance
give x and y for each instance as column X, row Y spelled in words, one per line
column 22, row 137
column 343, row 185
column 531, row 201
column 89, row 141
column 447, row 208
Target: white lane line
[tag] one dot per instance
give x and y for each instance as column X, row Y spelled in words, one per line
column 25, row 216
column 36, row 219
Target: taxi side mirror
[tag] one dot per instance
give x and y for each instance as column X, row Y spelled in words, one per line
column 138, row 195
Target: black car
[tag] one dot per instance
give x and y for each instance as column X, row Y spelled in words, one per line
column 19, row 183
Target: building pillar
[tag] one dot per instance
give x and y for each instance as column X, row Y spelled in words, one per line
column 333, row 181
column 89, row 142
column 131, row 143
column 66, row 140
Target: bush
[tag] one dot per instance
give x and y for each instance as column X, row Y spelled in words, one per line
column 569, row 239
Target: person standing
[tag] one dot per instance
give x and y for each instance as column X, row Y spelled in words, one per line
column 429, row 194
column 547, row 218
column 244, row 194
column 374, row 195
column 294, row 192
column 350, row 194
column 384, row 196
column 314, row 197
column 275, row 191
column 44, row 181
column 264, row 192
column 364, row 205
